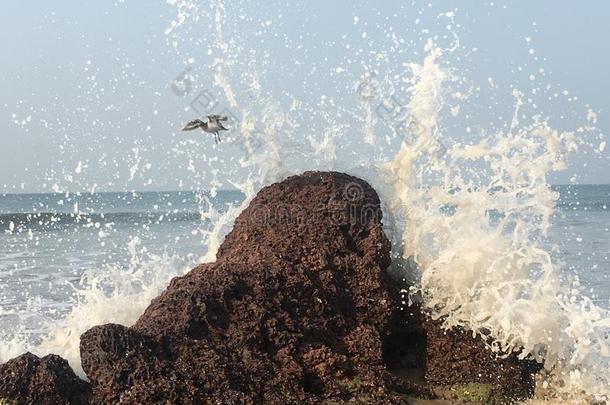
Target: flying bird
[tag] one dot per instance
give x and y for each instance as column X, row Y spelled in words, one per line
column 212, row 126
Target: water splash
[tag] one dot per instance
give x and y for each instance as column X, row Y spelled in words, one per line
column 482, row 266
column 469, row 216
column 472, row 216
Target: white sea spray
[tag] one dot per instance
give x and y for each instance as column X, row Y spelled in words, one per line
column 482, row 266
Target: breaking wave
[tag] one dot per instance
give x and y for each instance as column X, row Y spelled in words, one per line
column 466, row 213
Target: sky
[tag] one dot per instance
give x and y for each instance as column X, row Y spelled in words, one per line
column 88, row 101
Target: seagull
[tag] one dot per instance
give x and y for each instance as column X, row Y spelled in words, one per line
column 212, row 126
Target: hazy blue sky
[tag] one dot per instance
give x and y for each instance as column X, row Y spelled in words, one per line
column 86, row 85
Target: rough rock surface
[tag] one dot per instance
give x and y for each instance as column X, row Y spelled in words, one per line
column 29, row 379
column 456, row 357
column 294, row 310
column 297, row 309
column 447, row 359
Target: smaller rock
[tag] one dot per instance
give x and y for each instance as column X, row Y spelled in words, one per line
column 455, row 357
column 29, row 379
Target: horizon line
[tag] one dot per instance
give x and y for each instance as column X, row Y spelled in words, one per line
column 195, row 191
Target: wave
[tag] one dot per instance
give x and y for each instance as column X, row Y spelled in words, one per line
column 584, row 205
column 53, row 220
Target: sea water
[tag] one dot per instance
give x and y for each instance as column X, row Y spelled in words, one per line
column 478, row 232
column 45, row 247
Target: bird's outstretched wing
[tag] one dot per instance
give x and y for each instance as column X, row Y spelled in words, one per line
column 217, row 118
column 192, row 125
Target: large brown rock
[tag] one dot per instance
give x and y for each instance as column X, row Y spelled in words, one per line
column 297, row 309
column 29, row 379
column 294, row 310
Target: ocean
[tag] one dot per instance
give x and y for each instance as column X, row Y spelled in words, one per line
column 48, row 242
column 581, row 234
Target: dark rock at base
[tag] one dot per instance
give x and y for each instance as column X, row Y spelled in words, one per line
column 29, row 379
column 115, row 355
column 456, row 357
column 449, row 361
column 294, row 310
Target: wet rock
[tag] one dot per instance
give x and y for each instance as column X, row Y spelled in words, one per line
column 294, row 310
column 455, row 358
column 451, row 363
column 297, row 309
column 113, row 355
column 29, row 379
